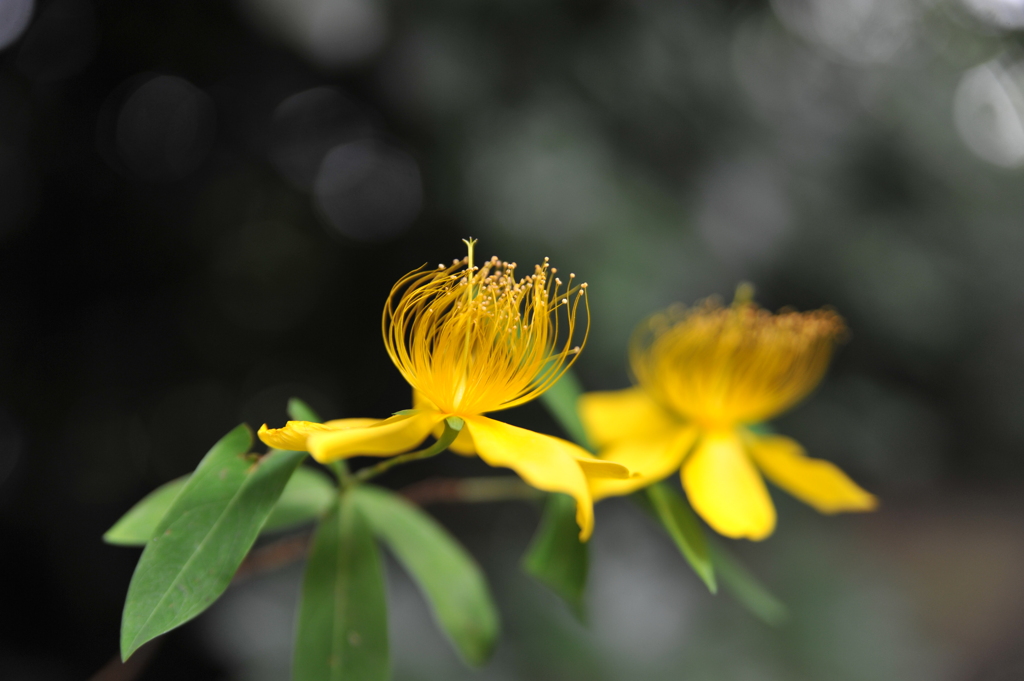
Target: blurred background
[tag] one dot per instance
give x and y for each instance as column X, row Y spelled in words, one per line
column 203, row 205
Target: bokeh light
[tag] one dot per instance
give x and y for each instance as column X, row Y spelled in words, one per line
column 14, row 18
column 1007, row 14
column 330, row 33
column 368, row 190
column 307, row 125
column 989, row 110
column 858, row 30
column 165, row 128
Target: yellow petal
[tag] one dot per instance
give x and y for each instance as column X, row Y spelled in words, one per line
column 463, row 443
column 650, row 459
column 726, row 490
column 622, row 415
column 293, row 435
column 599, row 469
column 544, row 462
column 391, row 436
column 421, row 402
column 345, row 424
column 813, row 481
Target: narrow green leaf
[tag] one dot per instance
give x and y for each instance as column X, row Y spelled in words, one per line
column 556, row 556
column 306, row 497
column 343, row 629
column 682, row 525
column 746, row 589
column 450, row 579
column 137, row 526
column 203, row 537
column 300, row 411
column 561, row 399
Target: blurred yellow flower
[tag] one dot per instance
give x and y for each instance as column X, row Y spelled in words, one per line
column 472, row 340
column 704, row 375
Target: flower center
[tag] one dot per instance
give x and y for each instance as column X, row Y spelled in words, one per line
column 477, row 339
column 722, row 366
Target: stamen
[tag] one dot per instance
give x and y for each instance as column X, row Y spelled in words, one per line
column 508, row 348
column 728, row 366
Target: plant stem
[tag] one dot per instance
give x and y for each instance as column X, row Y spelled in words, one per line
column 447, row 437
column 470, row 490
column 340, row 470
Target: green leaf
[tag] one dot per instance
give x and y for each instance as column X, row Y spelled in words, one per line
column 561, row 400
column 746, row 589
column 556, row 556
column 450, row 579
column 300, row 411
column 137, row 526
column 306, row 497
column 343, row 628
column 682, row 525
column 204, row 536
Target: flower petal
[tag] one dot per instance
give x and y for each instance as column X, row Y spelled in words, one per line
column 391, row 436
column 599, row 469
column 726, row 490
column 463, row 443
column 544, row 462
column 293, row 435
column 622, row 415
column 813, row 481
column 345, row 424
column 650, row 459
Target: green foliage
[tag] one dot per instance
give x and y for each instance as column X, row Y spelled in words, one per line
column 560, row 399
column 300, row 411
column 136, row 527
column 342, row 630
column 450, row 579
column 746, row 589
column 682, row 525
column 203, row 537
column 556, row 556
column 306, row 496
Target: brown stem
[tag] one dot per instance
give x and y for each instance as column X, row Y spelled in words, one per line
column 469, row 490
column 273, row 556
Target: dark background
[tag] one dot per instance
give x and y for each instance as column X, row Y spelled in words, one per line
column 204, row 204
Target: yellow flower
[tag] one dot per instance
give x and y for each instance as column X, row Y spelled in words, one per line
column 473, row 340
column 704, row 375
